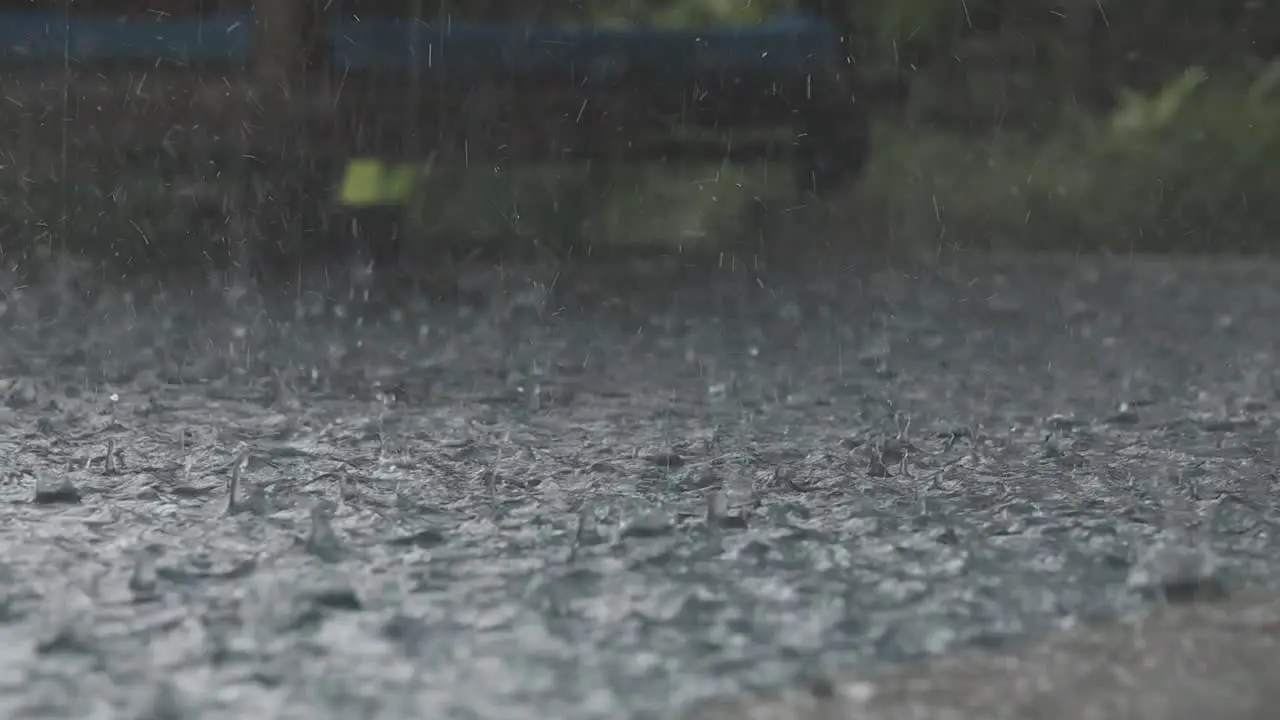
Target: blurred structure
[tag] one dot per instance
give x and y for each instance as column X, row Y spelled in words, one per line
column 281, row 104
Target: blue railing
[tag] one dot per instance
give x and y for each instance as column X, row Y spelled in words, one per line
column 49, row 37
column 794, row 45
column 790, row 44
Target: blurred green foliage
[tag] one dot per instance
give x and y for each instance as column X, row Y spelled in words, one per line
column 1072, row 123
column 1192, row 166
column 1030, row 123
column 1075, row 124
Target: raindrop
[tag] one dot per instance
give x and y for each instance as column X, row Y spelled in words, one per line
column 1177, row 573
column 241, row 499
column 347, row 490
column 338, row 597
column 717, row 507
column 144, row 582
column 653, row 523
column 588, row 526
column 426, row 538
column 110, row 466
column 718, row 514
column 165, row 703
column 667, row 459
column 55, row 491
column 876, row 468
column 322, row 540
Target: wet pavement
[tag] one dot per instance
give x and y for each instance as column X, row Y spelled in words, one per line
column 614, row 492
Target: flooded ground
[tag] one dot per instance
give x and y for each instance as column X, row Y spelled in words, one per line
column 613, row 492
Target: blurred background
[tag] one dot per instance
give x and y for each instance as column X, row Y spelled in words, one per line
column 928, row 455
column 1028, row 124
column 1036, row 124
